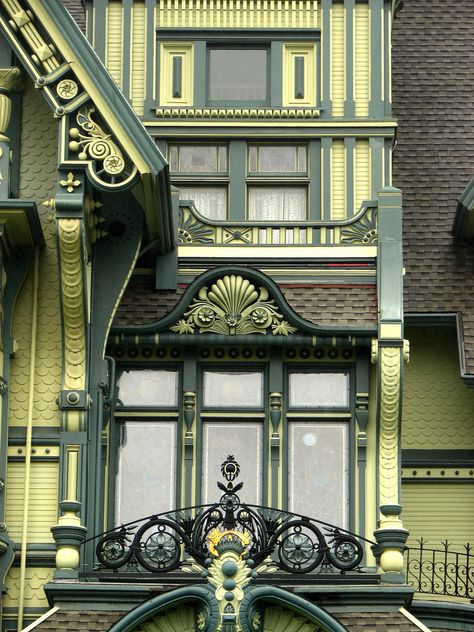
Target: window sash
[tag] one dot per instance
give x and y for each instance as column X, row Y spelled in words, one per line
column 242, row 90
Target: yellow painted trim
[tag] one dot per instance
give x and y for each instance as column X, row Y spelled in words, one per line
column 308, row 415
column 416, row 622
column 264, row 252
column 91, row 87
column 226, row 415
column 338, row 180
column 185, row 50
column 114, row 40
column 308, row 52
column 315, row 272
column 72, row 452
column 362, row 65
column 29, row 437
column 274, row 123
column 41, row 619
column 338, row 58
column 149, row 414
column 256, row 14
column 138, row 61
column 392, row 330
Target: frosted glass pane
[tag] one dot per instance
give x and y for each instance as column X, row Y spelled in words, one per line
column 319, row 390
column 244, row 442
column 145, row 482
column 209, row 201
column 281, row 159
column 148, row 387
column 277, row 203
column 318, row 471
column 234, row 389
column 238, row 74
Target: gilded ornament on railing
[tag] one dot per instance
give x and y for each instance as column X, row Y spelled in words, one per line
column 364, row 231
column 233, row 306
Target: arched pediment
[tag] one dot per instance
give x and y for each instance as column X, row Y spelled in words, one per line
column 234, row 301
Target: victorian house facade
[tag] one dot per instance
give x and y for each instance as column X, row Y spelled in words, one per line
column 204, row 338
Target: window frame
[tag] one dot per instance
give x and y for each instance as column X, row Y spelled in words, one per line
column 210, row 46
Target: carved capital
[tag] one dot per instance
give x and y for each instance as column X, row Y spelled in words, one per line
column 11, row 80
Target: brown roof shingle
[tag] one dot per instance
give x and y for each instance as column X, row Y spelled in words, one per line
column 327, row 305
column 79, row 621
column 433, row 96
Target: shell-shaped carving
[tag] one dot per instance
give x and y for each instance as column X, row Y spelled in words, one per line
column 233, row 294
column 280, row 620
column 181, row 619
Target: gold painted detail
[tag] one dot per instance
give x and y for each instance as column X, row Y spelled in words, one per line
column 70, row 251
column 233, row 306
column 238, row 113
column 217, row 538
column 70, row 184
column 363, row 231
column 95, row 143
column 237, row 14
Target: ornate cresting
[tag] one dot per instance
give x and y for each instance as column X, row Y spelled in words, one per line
column 229, row 531
column 232, row 306
column 388, row 353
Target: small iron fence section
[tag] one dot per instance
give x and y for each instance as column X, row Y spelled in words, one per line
column 442, row 571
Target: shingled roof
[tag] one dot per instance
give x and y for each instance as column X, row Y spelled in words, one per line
column 76, row 9
column 100, row 621
column 327, row 305
column 433, row 97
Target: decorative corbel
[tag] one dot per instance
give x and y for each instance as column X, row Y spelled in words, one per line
column 10, row 83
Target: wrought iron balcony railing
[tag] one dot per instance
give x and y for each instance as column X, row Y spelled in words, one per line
column 284, row 540
column 442, row 571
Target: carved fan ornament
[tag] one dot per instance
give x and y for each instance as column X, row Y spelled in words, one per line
column 233, row 306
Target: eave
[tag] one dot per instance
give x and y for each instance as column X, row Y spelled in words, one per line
column 463, row 225
column 152, row 188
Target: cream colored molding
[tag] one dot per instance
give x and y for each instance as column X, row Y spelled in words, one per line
column 276, row 252
column 389, row 359
column 390, row 330
column 10, row 81
column 72, row 294
column 236, row 114
column 307, row 51
column 185, row 52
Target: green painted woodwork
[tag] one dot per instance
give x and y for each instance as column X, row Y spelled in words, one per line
column 438, row 408
column 390, row 261
column 438, row 511
column 463, row 227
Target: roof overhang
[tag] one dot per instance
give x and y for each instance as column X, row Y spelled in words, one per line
column 463, row 225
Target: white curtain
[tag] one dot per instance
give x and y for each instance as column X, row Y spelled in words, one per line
column 277, row 204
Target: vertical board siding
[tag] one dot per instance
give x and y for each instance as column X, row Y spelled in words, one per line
column 237, row 13
column 43, row 505
column 362, row 59
column 114, row 41
column 338, row 56
column 338, row 180
column 138, row 57
column 362, row 173
column 438, row 512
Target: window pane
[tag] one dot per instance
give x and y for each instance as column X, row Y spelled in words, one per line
column 277, row 204
column 319, row 390
column 234, row 389
column 230, row 78
column 211, row 202
column 173, row 158
column 244, row 442
column 277, row 159
column 145, row 482
column 318, row 471
column 148, row 387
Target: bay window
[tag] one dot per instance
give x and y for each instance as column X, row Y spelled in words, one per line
column 231, row 415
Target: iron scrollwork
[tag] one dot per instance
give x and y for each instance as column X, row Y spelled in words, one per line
column 286, row 541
